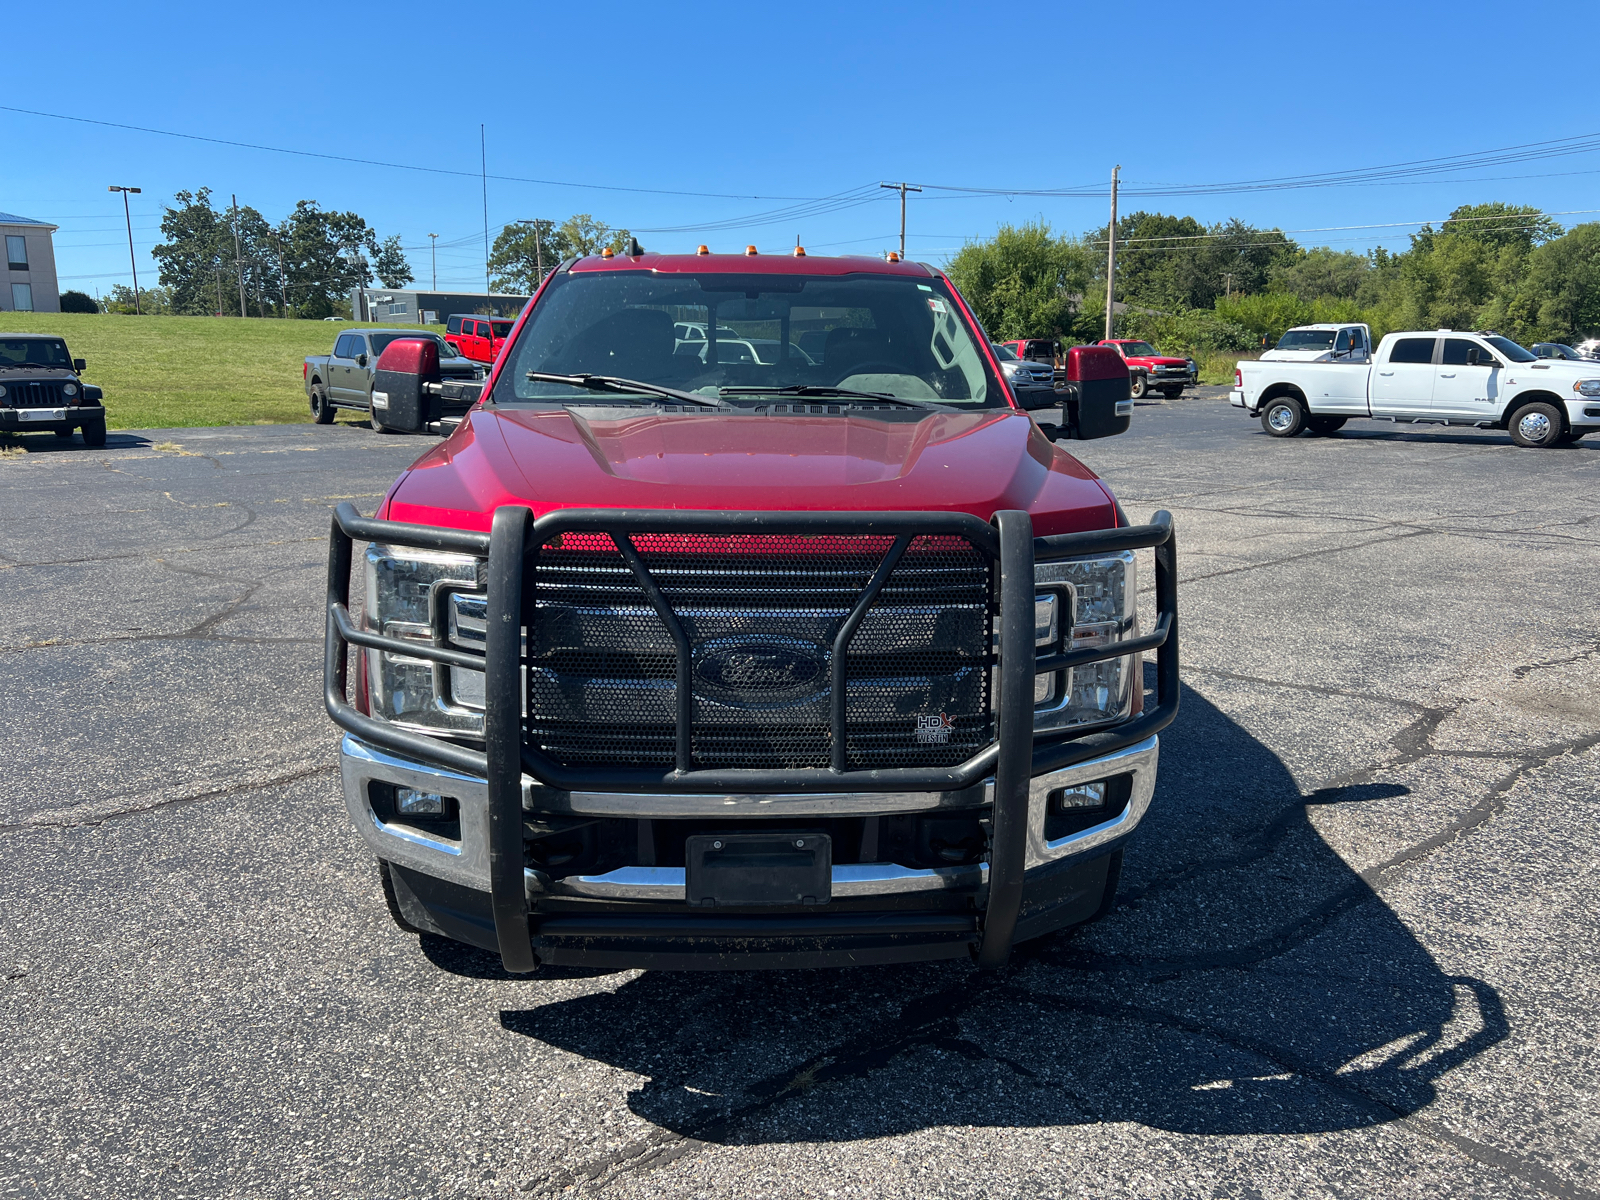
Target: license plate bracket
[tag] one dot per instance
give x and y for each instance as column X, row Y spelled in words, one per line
column 778, row 867
column 41, row 414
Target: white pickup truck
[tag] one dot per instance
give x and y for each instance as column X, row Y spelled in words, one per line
column 1441, row 376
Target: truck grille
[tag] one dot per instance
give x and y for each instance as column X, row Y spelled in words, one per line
column 32, row 394
column 760, row 612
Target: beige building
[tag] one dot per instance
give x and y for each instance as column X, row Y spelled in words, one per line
column 28, row 283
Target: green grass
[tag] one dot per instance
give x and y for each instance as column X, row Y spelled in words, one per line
column 164, row 372
column 1219, row 368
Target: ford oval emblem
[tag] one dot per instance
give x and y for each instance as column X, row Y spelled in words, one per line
column 762, row 668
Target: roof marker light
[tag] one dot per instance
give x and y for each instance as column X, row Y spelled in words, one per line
column 799, row 251
column 750, row 250
column 608, row 252
column 893, row 256
column 702, row 250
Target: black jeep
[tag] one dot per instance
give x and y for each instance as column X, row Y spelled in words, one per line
column 40, row 389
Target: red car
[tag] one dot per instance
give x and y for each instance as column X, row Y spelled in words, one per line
column 671, row 659
column 477, row 338
column 1148, row 369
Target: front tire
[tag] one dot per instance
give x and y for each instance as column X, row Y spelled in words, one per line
column 1172, row 393
column 1284, row 417
column 94, row 434
column 1137, row 386
column 64, row 435
column 377, row 423
column 1536, row 426
column 1322, row 426
column 322, row 411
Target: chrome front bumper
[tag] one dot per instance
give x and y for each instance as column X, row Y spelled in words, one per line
column 466, row 862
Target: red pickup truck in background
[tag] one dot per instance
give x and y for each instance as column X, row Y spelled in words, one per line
column 1148, row 369
column 478, row 338
column 667, row 658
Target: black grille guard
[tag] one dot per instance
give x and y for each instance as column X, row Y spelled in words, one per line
column 1013, row 757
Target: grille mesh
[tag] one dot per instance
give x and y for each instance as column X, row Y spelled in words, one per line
column 760, row 613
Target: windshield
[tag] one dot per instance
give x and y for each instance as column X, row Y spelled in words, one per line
column 1510, row 349
column 717, row 333
column 1555, row 350
column 1307, row 339
column 1005, row 353
column 1139, row 350
column 380, row 342
column 46, row 353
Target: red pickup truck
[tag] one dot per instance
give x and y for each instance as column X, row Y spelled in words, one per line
column 674, row 659
column 1148, row 369
column 477, row 338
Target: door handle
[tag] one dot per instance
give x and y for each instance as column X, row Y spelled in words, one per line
column 1447, row 374
column 1385, row 372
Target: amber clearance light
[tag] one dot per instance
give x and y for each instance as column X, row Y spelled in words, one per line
column 702, row 250
column 750, row 250
column 799, row 251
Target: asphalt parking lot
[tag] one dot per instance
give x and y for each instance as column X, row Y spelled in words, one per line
column 1354, row 954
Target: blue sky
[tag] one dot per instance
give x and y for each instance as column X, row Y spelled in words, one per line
column 768, row 107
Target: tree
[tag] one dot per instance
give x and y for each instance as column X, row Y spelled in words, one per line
column 1024, row 282
column 1559, row 299
column 1323, row 272
column 1175, row 263
column 153, row 301
column 519, row 252
column 390, row 263
column 325, row 255
column 78, row 302
column 192, row 255
column 582, row 234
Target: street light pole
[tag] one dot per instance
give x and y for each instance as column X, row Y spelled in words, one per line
column 434, row 247
column 903, row 188
column 132, row 262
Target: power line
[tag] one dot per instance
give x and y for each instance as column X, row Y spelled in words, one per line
column 368, row 162
column 1527, row 152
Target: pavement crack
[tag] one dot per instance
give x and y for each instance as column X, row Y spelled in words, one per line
column 170, row 802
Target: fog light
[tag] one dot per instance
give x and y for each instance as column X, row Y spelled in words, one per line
column 1076, row 799
column 412, row 803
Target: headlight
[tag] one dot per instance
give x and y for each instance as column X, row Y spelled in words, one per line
column 2, row 389
column 69, row 389
column 1587, row 387
column 1102, row 595
column 409, row 597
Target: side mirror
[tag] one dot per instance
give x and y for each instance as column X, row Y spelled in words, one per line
column 1472, row 356
column 361, row 360
column 79, row 365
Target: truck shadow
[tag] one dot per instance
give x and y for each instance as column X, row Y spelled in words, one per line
column 1248, row 982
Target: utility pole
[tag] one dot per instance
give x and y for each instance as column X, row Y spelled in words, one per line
column 1111, row 250
column 217, row 271
column 434, row 247
column 1227, row 283
column 483, row 160
column 132, row 262
column 902, row 188
column 238, row 256
column 538, row 249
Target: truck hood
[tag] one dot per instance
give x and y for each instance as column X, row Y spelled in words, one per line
column 978, row 462
column 1158, row 360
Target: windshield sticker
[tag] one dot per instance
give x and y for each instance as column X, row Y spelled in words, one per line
column 937, row 305
column 922, row 287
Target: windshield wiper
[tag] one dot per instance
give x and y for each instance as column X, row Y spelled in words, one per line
column 615, row 383
column 41, row 366
column 816, row 389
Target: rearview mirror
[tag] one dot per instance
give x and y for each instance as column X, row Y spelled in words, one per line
column 79, row 365
column 361, row 360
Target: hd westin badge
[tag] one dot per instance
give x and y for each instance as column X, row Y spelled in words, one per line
column 934, row 729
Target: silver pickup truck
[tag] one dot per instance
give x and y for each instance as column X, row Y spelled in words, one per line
column 344, row 379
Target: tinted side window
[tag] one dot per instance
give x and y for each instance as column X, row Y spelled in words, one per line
column 453, row 325
column 344, row 347
column 1455, row 353
column 1412, row 350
